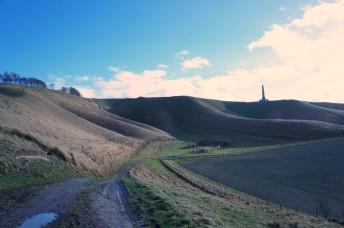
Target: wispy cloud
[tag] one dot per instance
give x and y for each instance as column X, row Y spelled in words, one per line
column 283, row 8
column 162, row 66
column 59, row 82
column 195, row 63
column 181, row 55
column 82, row 78
column 113, row 69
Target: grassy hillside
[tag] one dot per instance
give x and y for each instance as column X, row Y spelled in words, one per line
column 40, row 125
column 281, row 109
column 191, row 118
column 330, row 105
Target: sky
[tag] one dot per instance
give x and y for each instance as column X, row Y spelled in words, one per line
column 222, row 49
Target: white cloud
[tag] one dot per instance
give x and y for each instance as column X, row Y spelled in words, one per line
column 97, row 78
column 283, row 8
column 86, row 91
column 162, row 66
column 130, row 84
column 181, row 55
column 113, row 69
column 195, row 63
column 325, row 14
column 310, row 50
column 153, row 83
column 59, row 82
column 310, row 66
column 81, row 78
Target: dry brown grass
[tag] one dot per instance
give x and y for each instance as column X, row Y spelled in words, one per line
column 75, row 126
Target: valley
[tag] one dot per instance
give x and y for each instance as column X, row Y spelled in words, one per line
column 171, row 161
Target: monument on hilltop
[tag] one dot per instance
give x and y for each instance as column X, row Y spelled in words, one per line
column 263, row 100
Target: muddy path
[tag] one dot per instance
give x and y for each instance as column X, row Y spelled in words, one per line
column 109, row 204
column 53, row 198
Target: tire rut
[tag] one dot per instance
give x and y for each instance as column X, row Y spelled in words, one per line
column 112, row 207
column 53, row 198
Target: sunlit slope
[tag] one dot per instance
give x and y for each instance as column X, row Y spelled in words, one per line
column 81, row 132
column 189, row 117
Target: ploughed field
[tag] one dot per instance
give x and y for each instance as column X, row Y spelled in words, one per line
column 308, row 177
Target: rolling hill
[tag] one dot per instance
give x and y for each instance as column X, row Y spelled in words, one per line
column 337, row 106
column 37, row 122
column 98, row 135
column 194, row 118
column 283, row 109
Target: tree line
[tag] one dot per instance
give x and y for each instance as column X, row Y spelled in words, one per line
column 16, row 79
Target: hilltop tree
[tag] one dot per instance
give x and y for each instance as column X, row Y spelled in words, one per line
column 16, row 79
column 71, row 90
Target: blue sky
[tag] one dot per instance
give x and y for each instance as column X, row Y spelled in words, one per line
column 65, row 39
column 84, row 37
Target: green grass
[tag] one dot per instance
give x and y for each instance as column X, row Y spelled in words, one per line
column 155, row 210
column 199, row 207
column 38, row 172
column 19, row 186
column 11, row 91
column 156, row 165
column 179, row 150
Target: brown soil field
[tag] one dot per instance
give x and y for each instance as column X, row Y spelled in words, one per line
column 307, row 177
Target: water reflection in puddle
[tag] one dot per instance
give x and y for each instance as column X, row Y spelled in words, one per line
column 38, row 220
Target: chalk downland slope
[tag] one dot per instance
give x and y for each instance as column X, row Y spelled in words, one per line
column 283, row 109
column 337, row 106
column 41, row 122
column 195, row 118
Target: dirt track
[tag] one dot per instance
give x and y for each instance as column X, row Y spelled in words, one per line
column 109, row 206
column 54, row 198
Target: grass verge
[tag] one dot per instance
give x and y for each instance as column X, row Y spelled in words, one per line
column 16, row 172
column 37, row 173
column 206, row 203
column 155, row 211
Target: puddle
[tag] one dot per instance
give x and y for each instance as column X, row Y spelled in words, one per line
column 38, row 220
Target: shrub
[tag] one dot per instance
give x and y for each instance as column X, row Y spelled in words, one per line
column 12, row 92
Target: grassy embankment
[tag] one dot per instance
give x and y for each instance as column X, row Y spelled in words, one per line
column 17, row 185
column 32, row 172
column 191, row 198
column 35, row 171
column 12, row 91
column 18, row 178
